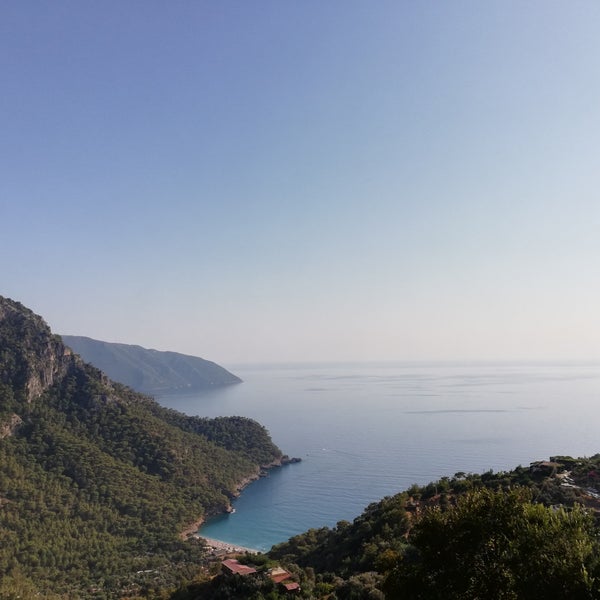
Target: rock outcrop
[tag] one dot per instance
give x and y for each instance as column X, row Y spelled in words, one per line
column 38, row 359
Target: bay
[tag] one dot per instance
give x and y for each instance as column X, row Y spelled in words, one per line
column 365, row 431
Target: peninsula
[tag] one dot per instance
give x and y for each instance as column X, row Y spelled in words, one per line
column 150, row 371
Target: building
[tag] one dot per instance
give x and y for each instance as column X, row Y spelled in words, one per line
column 290, row 586
column 233, row 567
column 283, row 578
column 277, row 574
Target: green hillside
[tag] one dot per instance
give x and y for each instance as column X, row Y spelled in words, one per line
column 150, row 371
column 527, row 534
column 97, row 482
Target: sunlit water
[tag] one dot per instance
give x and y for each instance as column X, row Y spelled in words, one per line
column 371, row 430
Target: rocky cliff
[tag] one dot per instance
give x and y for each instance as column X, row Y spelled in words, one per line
column 33, row 359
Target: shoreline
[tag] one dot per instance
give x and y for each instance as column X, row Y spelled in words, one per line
column 262, row 471
column 227, row 547
column 193, row 529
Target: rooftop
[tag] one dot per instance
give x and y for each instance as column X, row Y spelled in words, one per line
column 235, row 567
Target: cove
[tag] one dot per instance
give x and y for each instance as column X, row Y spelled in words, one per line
column 370, row 430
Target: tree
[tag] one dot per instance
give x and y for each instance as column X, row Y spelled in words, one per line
column 497, row 545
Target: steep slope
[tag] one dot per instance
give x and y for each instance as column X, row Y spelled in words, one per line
column 96, row 481
column 150, row 371
column 526, row 534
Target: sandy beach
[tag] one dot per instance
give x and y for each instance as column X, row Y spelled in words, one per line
column 219, row 545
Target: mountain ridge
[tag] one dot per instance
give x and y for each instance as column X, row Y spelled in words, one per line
column 97, row 481
column 150, row 371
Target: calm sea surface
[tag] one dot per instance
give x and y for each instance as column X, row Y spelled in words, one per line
column 370, row 430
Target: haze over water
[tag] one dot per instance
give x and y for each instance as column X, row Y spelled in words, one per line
column 365, row 431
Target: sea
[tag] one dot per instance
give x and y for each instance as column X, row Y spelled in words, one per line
column 365, row 431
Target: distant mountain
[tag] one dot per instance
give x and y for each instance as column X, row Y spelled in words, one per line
column 99, row 484
column 150, row 371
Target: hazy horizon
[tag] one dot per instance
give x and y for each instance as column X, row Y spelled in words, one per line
column 306, row 182
column 384, row 363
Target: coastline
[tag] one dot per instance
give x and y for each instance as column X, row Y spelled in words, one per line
column 262, row 471
column 221, row 547
column 192, row 530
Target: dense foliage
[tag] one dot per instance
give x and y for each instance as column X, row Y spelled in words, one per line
column 97, row 482
column 238, row 434
column 497, row 545
column 525, row 534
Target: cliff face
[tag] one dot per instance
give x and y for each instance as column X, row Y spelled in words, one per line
column 9, row 425
column 32, row 358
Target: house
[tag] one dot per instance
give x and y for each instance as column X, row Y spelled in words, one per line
column 233, row 567
column 277, row 574
column 283, row 578
column 291, row 586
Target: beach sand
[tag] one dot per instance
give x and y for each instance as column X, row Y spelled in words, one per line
column 227, row 546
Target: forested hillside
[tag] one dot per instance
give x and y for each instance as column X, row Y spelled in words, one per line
column 97, row 482
column 150, row 371
column 528, row 534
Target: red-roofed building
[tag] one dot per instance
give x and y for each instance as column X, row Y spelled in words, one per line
column 233, row 567
column 278, row 574
column 291, row 586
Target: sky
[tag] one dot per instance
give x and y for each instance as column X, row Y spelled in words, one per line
column 280, row 181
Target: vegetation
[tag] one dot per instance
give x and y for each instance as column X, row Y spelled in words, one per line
column 497, row 544
column 150, row 371
column 525, row 534
column 96, row 481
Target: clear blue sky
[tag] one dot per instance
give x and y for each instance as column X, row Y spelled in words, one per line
column 279, row 180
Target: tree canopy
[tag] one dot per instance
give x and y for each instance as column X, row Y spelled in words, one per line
column 498, row 544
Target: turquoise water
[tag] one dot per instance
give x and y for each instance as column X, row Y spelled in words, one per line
column 371, row 430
